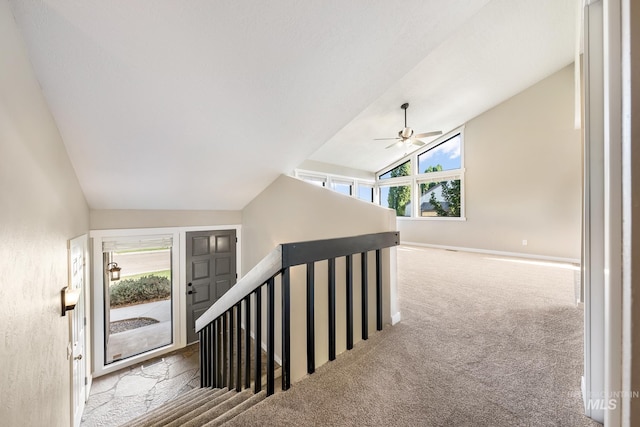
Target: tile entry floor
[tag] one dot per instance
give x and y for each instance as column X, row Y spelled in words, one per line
column 123, row 395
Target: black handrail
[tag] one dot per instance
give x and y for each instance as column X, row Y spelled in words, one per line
column 220, row 327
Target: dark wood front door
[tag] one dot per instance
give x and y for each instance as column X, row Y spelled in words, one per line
column 211, row 271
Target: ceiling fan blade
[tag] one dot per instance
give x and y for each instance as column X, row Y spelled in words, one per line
column 417, row 142
column 384, row 139
column 394, row 144
column 426, row 134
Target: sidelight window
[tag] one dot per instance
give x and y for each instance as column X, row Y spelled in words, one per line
column 137, row 307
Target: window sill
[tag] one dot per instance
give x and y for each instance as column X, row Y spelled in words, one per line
column 433, row 218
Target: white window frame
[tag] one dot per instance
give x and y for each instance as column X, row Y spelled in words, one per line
column 312, row 176
column 331, row 179
column 415, row 179
column 397, row 182
column 371, row 185
column 337, row 181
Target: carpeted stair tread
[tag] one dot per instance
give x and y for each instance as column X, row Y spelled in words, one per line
column 236, row 410
column 211, row 414
column 158, row 416
column 167, row 407
column 189, row 407
column 189, row 411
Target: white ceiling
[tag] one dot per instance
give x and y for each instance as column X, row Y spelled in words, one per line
column 201, row 104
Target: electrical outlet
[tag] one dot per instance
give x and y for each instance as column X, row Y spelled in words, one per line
column 524, row 242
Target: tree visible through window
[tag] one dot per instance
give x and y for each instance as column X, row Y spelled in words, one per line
column 399, row 196
column 432, row 179
column 440, row 198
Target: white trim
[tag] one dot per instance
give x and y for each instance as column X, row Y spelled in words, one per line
column 431, row 218
column 179, row 290
column 396, row 318
column 594, row 210
column 492, row 252
column 613, row 212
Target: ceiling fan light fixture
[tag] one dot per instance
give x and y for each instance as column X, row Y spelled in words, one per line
column 406, row 133
column 406, row 136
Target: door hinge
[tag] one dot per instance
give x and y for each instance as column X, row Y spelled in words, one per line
column 86, row 381
column 85, row 321
column 236, row 240
column 236, row 275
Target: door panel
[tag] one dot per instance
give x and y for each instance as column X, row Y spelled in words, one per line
column 211, row 271
column 77, row 263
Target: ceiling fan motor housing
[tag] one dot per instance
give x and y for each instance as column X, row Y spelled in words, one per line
column 405, row 133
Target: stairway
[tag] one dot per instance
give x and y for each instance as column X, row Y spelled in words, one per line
column 204, row 406
column 199, row 407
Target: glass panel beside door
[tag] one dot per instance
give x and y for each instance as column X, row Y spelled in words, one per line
column 138, row 304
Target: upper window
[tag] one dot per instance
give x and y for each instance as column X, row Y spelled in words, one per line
column 361, row 188
column 343, row 187
column 443, row 157
column 401, row 170
column 365, row 192
column 315, row 180
column 428, row 183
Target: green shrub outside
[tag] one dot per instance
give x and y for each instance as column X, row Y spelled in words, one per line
column 138, row 291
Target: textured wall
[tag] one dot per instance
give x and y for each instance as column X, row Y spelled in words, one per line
column 42, row 207
column 113, row 219
column 523, row 178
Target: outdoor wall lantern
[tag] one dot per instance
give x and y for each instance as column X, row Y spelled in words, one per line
column 114, row 271
column 70, row 298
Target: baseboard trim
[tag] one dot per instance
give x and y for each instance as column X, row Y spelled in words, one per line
column 492, row 252
column 396, row 318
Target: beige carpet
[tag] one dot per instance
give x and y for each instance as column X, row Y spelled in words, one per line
column 484, row 341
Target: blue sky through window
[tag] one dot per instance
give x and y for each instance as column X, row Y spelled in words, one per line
column 446, row 154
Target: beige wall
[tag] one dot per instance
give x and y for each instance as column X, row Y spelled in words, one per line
column 42, row 207
column 114, row 219
column 290, row 210
column 523, row 178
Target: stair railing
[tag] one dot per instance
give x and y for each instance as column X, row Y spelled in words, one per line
column 219, row 328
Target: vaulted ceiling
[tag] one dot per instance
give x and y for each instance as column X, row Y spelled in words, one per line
column 201, row 104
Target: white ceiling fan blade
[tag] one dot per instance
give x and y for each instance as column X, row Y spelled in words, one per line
column 417, row 142
column 426, row 134
column 394, row 144
column 384, row 139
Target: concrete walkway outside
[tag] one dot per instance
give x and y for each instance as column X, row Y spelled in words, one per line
column 135, row 341
column 159, row 310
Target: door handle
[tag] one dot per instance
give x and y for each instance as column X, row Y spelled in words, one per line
column 78, row 357
column 191, row 292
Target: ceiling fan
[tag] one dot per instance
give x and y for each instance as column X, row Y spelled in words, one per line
column 406, row 136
